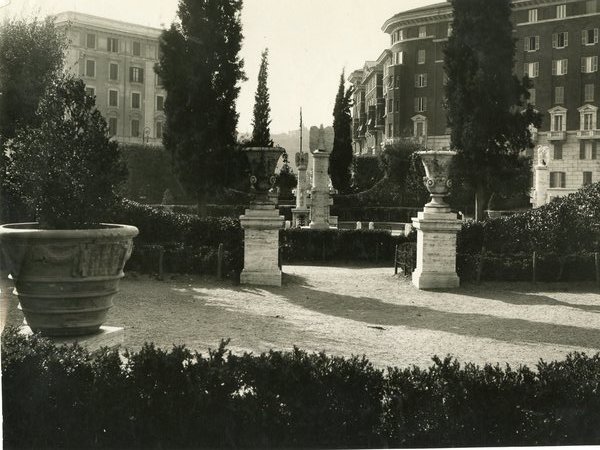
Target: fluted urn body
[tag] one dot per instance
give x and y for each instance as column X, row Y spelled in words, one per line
column 262, row 162
column 437, row 177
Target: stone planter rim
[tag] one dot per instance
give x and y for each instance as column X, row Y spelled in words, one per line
column 437, row 152
column 31, row 230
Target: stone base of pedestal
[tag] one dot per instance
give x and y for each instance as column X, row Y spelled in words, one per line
column 107, row 337
column 436, row 250
column 319, row 226
column 261, row 225
column 300, row 217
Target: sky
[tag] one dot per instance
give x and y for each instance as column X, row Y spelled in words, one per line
column 310, row 42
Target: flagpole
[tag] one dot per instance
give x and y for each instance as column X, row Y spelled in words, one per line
column 301, row 129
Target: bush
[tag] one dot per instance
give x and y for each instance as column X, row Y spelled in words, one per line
column 298, row 245
column 182, row 399
column 564, row 233
column 366, row 171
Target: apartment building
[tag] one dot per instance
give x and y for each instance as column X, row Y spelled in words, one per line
column 557, row 46
column 116, row 61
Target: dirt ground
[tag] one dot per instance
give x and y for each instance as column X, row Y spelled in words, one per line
column 357, row 310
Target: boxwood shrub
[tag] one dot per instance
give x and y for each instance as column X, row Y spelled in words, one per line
column 65, row 397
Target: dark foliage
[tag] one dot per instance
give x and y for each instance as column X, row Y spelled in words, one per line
column 261, row 134
column 65, row 167
column 182, row 399
column 486, row 102
column 341, row 154
column 200, row 71
column 366, row 172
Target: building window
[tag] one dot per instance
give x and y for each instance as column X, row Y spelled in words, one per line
column 112, row 126
column 557, row 151
column 137, row 48
column 560, row 66
column 591, row 6
column 159, row 81
column 399, row 58
column 113, row 71
column 160, row 101
column 420, row 104
column 589, row 64
column 532, row 43
column 558, row 180
column 588, row 94
column 560, row 40
column 421, row 80
column 533, row 15
column 532, row 70
column 531, row 99
column 90, row 91
column 419, row 125
column 90, row 68
column 587, row 150
column 113, row 97
column 112, row 45
column 587, row 117
column 136, row 74
column 390, row 129
column 559, row 95
column 421, row 57
column 589, row 37
column 90, row 40
column 135, row 128
column 587, row 178
column 558, row 119
column 422, row 31
column 159, row 130
column 135, row 100
column 397, row 108
column 561, row 11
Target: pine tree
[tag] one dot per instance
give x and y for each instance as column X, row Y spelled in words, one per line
column 261, row 135
column 340, row 159
column 486, row 101
column 200, row 69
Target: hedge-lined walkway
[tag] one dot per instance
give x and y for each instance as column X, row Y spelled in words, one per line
column 356, row 310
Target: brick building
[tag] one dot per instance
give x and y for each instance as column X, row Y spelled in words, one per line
column 116, row 60
column 557, row 46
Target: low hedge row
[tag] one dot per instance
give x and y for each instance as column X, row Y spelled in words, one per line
column 66, row 398
column 374, row 214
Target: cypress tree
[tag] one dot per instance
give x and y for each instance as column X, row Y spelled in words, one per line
column 261, row 135
column 486, row 102
column 340, row 159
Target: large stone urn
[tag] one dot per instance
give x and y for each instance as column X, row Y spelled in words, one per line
column 436, row 227
column 262, row 222
column 66, row 279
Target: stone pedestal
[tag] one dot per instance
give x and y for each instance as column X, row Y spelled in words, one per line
column 320, row 201
column 300, row 214
column 261, row 224
column 542, row 183
column 436, row 250
column 106, row 337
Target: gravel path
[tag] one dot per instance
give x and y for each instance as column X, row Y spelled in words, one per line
column 357, row 310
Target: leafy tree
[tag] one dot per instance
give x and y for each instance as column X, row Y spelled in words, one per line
column 286, row 179
column 261, row 135
column 200, row 69
column 341, row 154
column 486, row 101
column 31, row 56
column 65, row 166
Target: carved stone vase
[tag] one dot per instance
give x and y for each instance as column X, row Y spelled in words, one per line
column 66, row 279
column 437, row 181
column 262, row 162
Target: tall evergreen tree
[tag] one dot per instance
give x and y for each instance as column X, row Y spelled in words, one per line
column 261, row 135
column 486, row 102
column 340, row 159
column 200, row 69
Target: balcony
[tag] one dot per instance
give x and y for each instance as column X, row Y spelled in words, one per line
column 556, row 135
column 588, row 134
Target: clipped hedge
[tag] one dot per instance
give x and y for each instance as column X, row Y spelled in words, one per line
column 374, row 213
column 298, row 245
column 64, row 397
column 564, row 233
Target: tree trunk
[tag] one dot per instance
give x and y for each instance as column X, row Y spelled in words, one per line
column 481, row 197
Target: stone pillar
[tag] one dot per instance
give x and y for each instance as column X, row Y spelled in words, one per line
column 436, row 228
column 300, row 213
column 320, row 200
column 261, row 224
column 542, row 183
